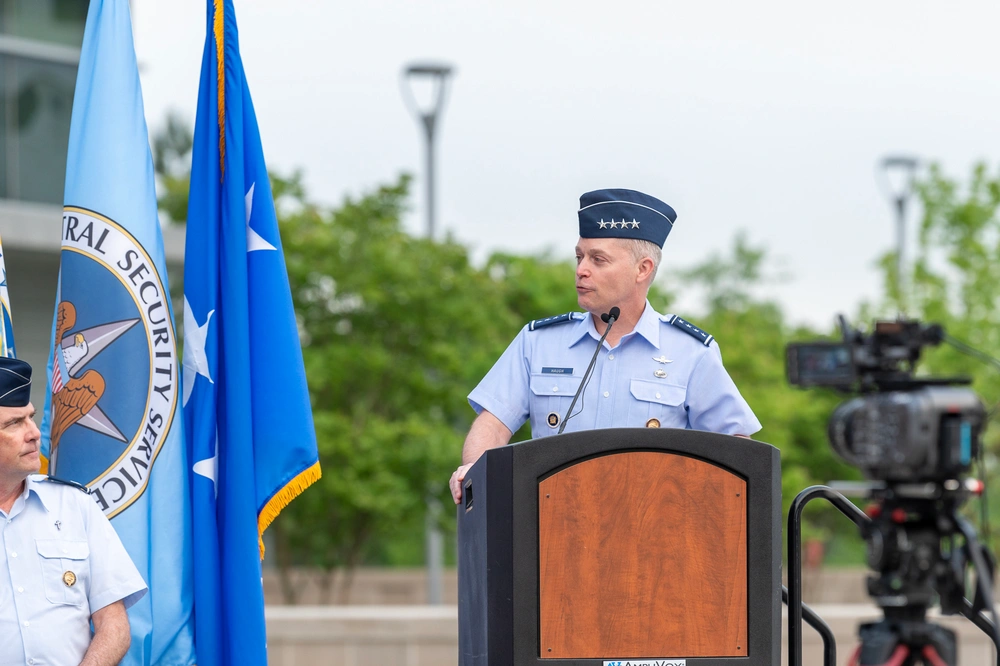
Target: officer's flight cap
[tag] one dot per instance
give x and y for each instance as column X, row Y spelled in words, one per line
column 625, row 214
column 15, row 382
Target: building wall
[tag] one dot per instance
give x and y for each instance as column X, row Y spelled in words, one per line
column 428, row 636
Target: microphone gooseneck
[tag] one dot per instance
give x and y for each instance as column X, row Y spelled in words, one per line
column 610, row 318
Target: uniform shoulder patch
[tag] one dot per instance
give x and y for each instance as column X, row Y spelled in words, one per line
column 67, row 482
column 689, row 328
column 549, row 321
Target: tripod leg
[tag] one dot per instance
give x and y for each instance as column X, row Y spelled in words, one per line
column 932, row 657
column 897, row 658
column 881, row 645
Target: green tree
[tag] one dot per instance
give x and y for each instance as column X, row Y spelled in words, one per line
column 395, row 331
column 171, row 148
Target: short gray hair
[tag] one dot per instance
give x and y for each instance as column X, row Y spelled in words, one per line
column 640, row 249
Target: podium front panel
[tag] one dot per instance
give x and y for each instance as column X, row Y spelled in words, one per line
column 641, row 551
column 664, row 535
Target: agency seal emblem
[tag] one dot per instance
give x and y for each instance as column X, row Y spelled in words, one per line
column 114, row 365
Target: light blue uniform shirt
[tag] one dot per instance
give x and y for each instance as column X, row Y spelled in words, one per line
column 658, row 373
column 51, row 529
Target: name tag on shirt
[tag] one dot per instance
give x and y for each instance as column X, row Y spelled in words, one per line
column 557, row 371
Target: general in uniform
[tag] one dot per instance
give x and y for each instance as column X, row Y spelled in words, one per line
column 653, row 370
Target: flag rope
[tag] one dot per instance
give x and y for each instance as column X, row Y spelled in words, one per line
column 219, row 25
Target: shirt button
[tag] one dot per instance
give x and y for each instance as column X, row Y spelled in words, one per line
column 657, row 395
column 20, row 589
column 13, row 554
column 611, row 357
column 31, row 661
column 26, row 623
column 606, row 394
column 555, row 389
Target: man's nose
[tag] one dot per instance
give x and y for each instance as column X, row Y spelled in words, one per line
column 33, row 431
column 582, row 270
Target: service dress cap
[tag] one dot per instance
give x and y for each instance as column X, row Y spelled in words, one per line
column 15, row 382
column 625, row 214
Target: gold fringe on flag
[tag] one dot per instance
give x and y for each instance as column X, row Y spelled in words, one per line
column 283, row 498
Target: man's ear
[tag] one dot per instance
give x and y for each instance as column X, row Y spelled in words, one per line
column 645, row 270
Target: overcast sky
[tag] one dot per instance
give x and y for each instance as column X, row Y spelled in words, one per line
column 765, row 116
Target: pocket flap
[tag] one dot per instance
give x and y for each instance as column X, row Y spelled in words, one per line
column 664, row 394
column 66, row 550
column 555, row 385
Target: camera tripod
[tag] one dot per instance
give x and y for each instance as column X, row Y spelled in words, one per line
column 903, row 637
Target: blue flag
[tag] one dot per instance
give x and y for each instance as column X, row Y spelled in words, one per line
column 112, row 414
column 246, row 403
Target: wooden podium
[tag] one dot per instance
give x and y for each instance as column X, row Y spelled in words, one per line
column 646, row 546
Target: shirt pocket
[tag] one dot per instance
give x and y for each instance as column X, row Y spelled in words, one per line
column 656, row 400
column 65, row 570
column 551, row 394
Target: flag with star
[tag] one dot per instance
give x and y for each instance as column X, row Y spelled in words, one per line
column 112, row 418
column 246, row 404
column 7, row 325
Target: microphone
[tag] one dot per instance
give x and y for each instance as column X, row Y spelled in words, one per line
column 609, row 318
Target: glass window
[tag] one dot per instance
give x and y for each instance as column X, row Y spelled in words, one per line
column 56, row 21
column 36, row 103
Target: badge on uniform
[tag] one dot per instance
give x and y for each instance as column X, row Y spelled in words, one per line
column 552, row 419
column 662, row 359
column 69, row 578
column 660, row 373
column 653, row 423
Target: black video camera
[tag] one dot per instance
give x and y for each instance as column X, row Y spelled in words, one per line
column 901, row 429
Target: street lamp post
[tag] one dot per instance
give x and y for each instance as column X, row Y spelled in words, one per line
column 897, row 173
column 436, row 76
column 432, row 78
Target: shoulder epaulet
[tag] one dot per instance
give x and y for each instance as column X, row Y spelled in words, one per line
column 67, row 482
column 689, row 328
column 549, row 321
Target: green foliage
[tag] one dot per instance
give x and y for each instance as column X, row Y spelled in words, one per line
column 172, row 165
column 395, row 331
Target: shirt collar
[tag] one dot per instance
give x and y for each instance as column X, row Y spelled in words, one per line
column 648, row 327
column 32, row 484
